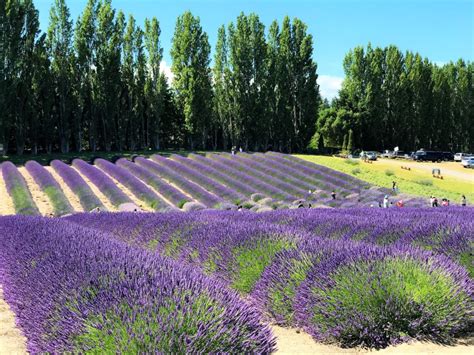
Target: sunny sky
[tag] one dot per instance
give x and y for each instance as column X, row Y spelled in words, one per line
column 442, row 30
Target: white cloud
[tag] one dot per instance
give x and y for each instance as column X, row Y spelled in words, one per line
column 329, row 86
column 166, row 69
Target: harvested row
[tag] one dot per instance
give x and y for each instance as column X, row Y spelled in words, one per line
column 18, row 190
column 192, row 162
column 138, row 188
column 194, row 190
column 195, row 176
column 250, row 168
column 103, row 182
column 79, row 291
column 255, row 183
column 76, row 183
column 50, row 187
column 343, row 291
column 176, row 197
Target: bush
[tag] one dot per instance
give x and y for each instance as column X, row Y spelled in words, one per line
column 383, row 297
column 356, row 171
column 389, row 172
column 424, row 182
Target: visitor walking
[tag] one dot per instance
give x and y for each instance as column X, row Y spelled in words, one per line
column 386, row 202
column 240, row 149
column 394, row 186
column 333, row 194
column 233, row 150
column 435, row 202
column 463, row 201
column 400, row 203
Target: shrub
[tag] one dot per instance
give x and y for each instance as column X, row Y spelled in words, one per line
column 356, row 171
column 378, row 297
column 424, row 182
column 389, row 172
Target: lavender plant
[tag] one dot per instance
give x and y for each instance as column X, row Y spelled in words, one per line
column 136, row 186
column 103, row 182
column 77, row 291
column 50, row 187
column 76, row 183
column 18, row 190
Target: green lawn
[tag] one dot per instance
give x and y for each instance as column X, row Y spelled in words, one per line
column 414, row 182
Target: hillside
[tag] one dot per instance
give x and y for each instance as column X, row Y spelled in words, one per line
column 258, row 182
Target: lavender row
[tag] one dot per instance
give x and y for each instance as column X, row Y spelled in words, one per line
column 345, row 291
column 194, row 190
column 297, row 186
column 50, row 187
column 249, row 167
column 18, row 190
column 193, row 163
column 327, row 174
column 138, row 188
column 76, row 183
column 202, row 180
column 103, row 182
column 78, row 291
column 173, row 195
column 260, row 186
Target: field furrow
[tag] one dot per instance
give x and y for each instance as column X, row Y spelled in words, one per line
column 70, row 196
column 41, row 200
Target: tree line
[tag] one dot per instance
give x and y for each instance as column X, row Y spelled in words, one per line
column 96, row 84
column 390, row 98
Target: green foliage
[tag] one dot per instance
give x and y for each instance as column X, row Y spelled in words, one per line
column 351, row 162
column 251, row 261
column 424, row 182
column 389, row 172
column 365, row 287
column 356, row 171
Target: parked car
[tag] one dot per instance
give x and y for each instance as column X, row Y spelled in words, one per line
column 427, row 155
column 397, row 155
column 459, row 156
column 387, row 154
column 371, row 155
column 468, row 163
column 448, row 156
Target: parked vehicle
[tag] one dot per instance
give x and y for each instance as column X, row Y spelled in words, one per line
column 459, row 156
column 387, row 153
column 426, row 155
column 448, row 156
column 468, row 163
column 371, row 155
column 397, row 155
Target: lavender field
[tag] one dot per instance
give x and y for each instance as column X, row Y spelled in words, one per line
column 257, row 182
column 215, row 281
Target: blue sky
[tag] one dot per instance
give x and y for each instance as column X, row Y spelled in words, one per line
column 441, row 30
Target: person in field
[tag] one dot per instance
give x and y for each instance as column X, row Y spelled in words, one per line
column 463, row 201
column 400, row 203
column 333, row 194
column 394, row 186
column 386, row 202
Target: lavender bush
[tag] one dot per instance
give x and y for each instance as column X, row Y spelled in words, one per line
column 194, row 190
column 103, row 182
column 76, row 183
column 50, row 187
column 136, row 186
column 173, row 195
column 202, row 180
column 78, row 291
column 18, row 190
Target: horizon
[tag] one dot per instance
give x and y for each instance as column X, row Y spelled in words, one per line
column 410, row 25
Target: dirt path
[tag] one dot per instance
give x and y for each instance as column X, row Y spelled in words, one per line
column 39, row 197
column 71, row 196
column 12, row 340
column 291, row 342
column 6, row 202
column 102, row 198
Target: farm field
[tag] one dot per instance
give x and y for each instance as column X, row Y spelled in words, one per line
column 418, row 181
column 228, row 281
column 258, row 182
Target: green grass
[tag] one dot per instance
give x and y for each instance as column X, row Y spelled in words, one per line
column 409, row 182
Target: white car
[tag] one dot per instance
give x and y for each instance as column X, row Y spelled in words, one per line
column 461, row 156
column 468, row 163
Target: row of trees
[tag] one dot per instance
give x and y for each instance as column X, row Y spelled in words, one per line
column 96, row 83
column 393, row 99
